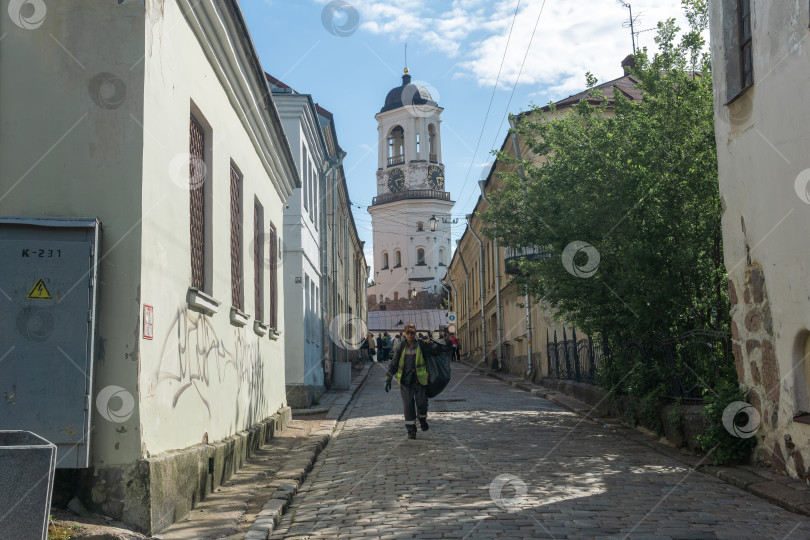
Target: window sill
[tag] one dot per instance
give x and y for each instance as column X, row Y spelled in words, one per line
column 238, row 318
column 274, row 334
column 739, row 94
column 201, row 302
column 398, row 266
column 384, row 268
column 421, row 264
column 260, row 328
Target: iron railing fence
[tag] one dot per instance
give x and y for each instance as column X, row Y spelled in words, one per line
column 693, row 361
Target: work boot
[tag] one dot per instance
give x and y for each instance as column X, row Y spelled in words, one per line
column 423, row 423
column 411, row 431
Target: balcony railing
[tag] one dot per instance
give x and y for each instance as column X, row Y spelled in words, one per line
column 513, row 256
column 411, row 194
column 396, row 160
column 434, row 158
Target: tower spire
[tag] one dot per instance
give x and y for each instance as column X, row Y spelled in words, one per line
column 406, row 78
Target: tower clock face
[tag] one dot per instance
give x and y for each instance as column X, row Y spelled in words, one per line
column 436, row 177
column 396, row 180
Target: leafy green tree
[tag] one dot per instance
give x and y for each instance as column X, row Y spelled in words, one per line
column 637, row 181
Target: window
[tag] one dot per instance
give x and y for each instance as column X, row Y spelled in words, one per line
column 432, row 151
column 737, row 44
column 272, row 243
column 420, row 257
column 441, row 257
column 311, row 191
column 258, row 260
column 397, row 259
column 197, row 200
column 396, row 295
column 307, row 310
column 384, row 260
column 237, row 299
column 381, row 299
column 420, row 226
column 417, row 145
column 305, row 177
column 396, row 146
column 746, row 68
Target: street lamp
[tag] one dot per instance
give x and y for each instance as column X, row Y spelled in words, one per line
column 434, row 223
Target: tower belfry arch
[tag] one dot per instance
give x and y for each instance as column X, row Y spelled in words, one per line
column 410, row 191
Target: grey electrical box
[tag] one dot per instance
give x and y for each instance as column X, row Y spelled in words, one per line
column 48, row 299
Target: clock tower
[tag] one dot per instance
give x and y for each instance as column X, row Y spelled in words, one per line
column 411, row 197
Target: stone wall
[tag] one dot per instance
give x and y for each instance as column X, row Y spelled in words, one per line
column 758, row 368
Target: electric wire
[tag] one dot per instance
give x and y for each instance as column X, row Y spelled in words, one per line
column 514, row 87
column 491, row 99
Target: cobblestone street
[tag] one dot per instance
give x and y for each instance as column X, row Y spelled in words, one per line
column 499, row 462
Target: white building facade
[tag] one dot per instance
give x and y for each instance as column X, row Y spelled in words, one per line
column 158, row 124
column 408, row 255
column 301, row 270
column 761, row 73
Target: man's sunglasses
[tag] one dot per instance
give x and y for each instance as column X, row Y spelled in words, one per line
column 410, row 332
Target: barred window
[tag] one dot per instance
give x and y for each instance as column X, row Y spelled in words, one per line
column 197, row 203
column 272, row 319
column 258, row 260
column 237, row 299
column 746, row 60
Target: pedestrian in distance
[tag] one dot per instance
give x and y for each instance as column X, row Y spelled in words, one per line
column 379, row 348
column 386, row 346
column 367, row 348
column 395, row 342
column 454, row 340
column 409, row 366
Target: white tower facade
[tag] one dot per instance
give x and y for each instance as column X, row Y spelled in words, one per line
column 408, row 255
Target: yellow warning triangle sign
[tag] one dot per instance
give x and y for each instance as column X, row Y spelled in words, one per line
column 39, row 291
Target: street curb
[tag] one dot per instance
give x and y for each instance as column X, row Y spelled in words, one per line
column 290, row 479
column 783, row 491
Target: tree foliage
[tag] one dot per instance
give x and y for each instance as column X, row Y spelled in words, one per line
column 638, row 182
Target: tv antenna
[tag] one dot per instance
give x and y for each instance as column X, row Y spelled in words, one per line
column 630, row 23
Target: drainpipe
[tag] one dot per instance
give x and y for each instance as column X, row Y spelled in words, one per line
column 346, row 264
column 527, row 301
column 467, row 287
column 330, row 165
column 480, row 287
column 333, row 290
column 497, row 284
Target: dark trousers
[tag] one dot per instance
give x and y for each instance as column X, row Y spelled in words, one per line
column 414, row 401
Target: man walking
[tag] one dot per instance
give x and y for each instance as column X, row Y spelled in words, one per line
column 409, row 365
column 386, row 346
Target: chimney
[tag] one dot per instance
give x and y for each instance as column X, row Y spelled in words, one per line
column 628, row 63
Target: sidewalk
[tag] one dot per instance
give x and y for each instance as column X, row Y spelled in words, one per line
column 781, row 490
column 250, row 504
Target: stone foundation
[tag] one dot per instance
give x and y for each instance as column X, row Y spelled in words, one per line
column 158, row 491
column 301, row 396
column 681, row 428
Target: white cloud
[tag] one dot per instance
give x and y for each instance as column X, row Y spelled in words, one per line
column 572, row 37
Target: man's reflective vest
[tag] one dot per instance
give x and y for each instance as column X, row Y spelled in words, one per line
column 421, row 370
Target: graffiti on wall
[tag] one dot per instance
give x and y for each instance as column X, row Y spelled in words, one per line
column 195, row 361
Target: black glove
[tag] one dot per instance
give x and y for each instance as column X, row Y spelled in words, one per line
column 387, row 385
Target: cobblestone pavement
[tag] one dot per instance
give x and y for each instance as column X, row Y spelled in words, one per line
column 498, row 462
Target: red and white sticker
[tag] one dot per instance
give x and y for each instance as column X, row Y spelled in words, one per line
column 148, row 321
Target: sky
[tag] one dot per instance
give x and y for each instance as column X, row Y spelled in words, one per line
column 480, row 60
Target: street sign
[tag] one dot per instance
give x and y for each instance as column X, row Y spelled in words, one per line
column 452, row 328
column 451, row 317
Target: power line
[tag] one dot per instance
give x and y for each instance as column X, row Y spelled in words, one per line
column 491, row 99
column 517, row 80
